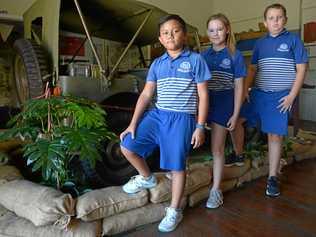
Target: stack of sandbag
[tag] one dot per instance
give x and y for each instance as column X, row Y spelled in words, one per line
column 232, row 176
column 259, row 167
column 40, row 204
column 7, row 146
column 119, row 211
column 122, row 212
column 198, row 178
column 105, row 202
column 36, row 210
column 159, row 198
column 13, row 225
column 28, row 209
column 9, row 173
column 304, row 145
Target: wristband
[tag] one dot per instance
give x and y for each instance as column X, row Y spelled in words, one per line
column 200, row 126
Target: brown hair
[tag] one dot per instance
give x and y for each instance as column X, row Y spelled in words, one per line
column 274, row 6
column 230, row 39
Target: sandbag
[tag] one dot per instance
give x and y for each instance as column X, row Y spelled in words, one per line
column 236, row 171
column 244, row 178
column 196, row 178
column 134, row 218
column 12, row 225
column 162, row 191
column 308, row 154
column 261, row 171
column 3, row 210
column 309, row 135
column 298, row 148
column 6, row 146
column 198, row 196
column 258, row 162
column 197, row 165
column 203, row 193
column 40, row 204
column 108, row 201
column 227, row 185
column 9, row 173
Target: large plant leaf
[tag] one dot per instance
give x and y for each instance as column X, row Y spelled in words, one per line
column 86, row 142
column 23, row 133
column 85, row 115
column 49, row 157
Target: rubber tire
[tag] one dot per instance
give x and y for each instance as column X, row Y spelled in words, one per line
column 36, row 67
column 105, row 172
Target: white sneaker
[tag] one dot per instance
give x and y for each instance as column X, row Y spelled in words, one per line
column 171, row 220
column 215, row 199
column 138, row 183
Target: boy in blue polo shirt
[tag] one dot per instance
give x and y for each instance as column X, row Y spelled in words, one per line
column 278, row 66
column 180, row 77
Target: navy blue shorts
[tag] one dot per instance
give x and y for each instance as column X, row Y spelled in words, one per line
column 221, row 107
column 170, row 131
column 262, row 109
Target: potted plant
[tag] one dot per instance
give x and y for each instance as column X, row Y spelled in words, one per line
column 57, row 129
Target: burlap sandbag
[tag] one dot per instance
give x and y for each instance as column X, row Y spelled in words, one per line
column 198, row 196
column 134, row 218
column 236, row 171
column 298, row 148
column 3, row 210
column 162, row 192
column 12, row 225
column 259, row 172
column 203, row 193
column 227, row 185
column 40, row 204
column 108, row 201
column 9, row 173
column 198, row 165
column 244, row 178
column 257, row 162
column 309, row 153
column 195, row 179
column 6, row 146
column 308, row 135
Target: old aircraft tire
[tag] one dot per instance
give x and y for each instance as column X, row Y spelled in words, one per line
column 31, row 69
column 114, row 169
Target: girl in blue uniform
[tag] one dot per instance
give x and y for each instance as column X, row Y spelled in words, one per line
column 278, row 69
column 180, row 78
column 225, row 93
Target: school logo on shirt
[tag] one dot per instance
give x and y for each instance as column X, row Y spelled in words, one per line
column 225, row 63
column 283, row 48
column 184, row 67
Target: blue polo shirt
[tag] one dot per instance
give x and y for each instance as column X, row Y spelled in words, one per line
column 276, row 59
column 224, row 68
column 176, row 80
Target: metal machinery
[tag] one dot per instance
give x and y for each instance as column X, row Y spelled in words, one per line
column 38, row 61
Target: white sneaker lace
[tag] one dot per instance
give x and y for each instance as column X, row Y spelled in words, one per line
column 170, row 217
column 135, row 180
column 216, row 197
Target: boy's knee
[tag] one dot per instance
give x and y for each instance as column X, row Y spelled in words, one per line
column 126, row 152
